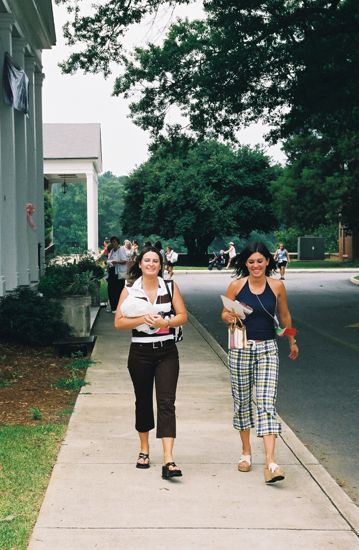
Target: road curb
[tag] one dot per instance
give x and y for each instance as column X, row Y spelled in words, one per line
column 342, row 502
column 354, row 281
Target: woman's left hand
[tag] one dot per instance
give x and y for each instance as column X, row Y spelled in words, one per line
column 294, row 352
column 157, row 321
column 229, row 316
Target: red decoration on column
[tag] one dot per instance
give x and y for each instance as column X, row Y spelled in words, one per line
column 29, row 212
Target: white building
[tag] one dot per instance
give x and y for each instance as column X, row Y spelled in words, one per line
column 73, row 154
column 26, row 28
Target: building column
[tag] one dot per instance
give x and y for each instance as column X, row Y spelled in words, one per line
column 8, row 236
column 32, row 197
column 21, row 177
column 39, row 77
column 92, row 211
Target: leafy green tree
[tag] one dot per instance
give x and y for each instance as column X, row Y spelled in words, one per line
column 316, row 187
column 200, row 190
column 70, row 228
column 110, row 205
column 294, row 65
column 48, row 214
column 70, row 213
column 246, row 57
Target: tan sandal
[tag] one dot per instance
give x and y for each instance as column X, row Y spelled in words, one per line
column 273, row 473
column 245, row 463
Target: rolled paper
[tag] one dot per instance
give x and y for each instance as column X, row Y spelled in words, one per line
column 286, row 331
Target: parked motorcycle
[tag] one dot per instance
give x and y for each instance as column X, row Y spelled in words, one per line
column 218, row 261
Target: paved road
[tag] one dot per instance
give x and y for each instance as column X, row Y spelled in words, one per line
column 318, row 394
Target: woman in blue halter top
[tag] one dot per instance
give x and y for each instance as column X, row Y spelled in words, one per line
column 257, row 364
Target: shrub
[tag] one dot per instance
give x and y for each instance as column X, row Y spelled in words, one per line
column 82, row 284
column 289, row 237
column 28, row 318
column 57, row 280
column 69, row 279
column 88, row 263
column 35, row 413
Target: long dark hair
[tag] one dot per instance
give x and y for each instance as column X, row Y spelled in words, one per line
column 135, row 271
column 239, row 262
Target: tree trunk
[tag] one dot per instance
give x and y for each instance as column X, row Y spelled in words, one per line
column 197, row 246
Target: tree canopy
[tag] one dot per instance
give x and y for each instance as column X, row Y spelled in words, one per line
column 200, row 189
column 293, row 64
column 317, row 187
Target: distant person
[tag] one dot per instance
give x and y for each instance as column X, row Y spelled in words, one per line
column 135, row 250
column 257, row 365
column 231, row 254
column 159, row 247
column 106, row 247
column 126, row 253
column 153, row 357
column 117, row 269
column 281, row 256
column 171, row 259
column 103, row 253
column 127, row 245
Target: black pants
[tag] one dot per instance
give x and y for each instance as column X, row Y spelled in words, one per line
column 114, row 288
column 161, row 365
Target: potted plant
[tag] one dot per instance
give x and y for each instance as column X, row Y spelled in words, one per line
column 72, row 288
column 87, row 264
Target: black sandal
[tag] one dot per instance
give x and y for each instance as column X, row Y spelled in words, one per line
column 167, row 473
column 143, row 456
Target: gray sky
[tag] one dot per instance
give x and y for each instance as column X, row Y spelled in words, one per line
column 87, row 98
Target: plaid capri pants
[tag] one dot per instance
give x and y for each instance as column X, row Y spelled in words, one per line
column 257, row 366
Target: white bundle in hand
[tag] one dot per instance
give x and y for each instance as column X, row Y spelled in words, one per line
column 134, row 306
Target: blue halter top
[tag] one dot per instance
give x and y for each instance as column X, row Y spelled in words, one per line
column 259, row 324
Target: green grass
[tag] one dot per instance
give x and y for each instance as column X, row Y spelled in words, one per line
column 72, row 383
column 181, row 267
column 66, row 412
column 27, row 456
column 80, row 363
column 356, row 277
column 322, row 263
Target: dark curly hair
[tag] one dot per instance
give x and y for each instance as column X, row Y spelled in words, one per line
column 239, row 261
column 135, row 271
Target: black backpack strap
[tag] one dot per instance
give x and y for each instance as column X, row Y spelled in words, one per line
column 169, row 291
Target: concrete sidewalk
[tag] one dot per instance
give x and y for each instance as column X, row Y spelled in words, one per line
column 97, row 499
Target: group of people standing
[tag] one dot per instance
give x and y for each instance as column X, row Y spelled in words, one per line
column 120, row 258
column 153, row 355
